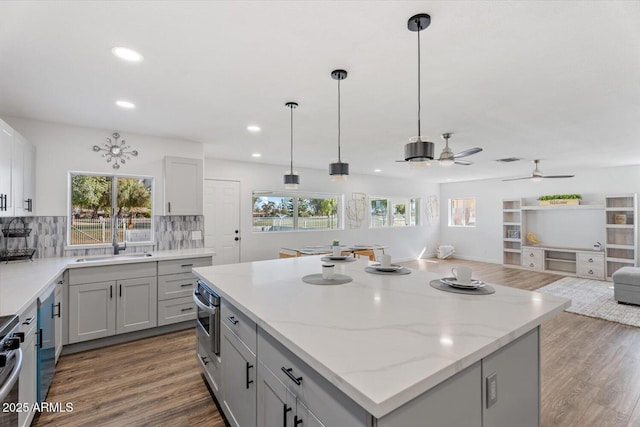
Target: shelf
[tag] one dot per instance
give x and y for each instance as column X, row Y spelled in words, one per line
column 511, row 223
column 515, row 251
column 510, row 210
column 616, row 246
column 507, row 239
column 572, row 261
column 622, row 260
column 563, row 207
column 620, row 226
column 621, row 209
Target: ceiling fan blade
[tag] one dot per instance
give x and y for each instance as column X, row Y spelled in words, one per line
column 401, row 161
column 558, row 176
column 516, row 179
column 463, row 162
column 468, row 152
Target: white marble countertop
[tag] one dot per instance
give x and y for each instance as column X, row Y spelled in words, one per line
column 383, row 340
column 22, row 282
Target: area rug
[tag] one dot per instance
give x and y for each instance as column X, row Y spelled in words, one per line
column 593, row 298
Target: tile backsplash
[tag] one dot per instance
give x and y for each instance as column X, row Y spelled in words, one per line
column 49, row 233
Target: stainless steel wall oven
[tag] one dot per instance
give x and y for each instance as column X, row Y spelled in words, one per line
column 208, row 334
column 10, row 365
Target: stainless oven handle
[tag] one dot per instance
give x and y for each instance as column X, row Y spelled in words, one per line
column 13, row 377
column 204, row 307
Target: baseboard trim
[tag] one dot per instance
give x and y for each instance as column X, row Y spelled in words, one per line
column 122, row 338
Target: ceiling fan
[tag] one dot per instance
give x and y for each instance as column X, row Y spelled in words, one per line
column 447, row 158
column 536, row 175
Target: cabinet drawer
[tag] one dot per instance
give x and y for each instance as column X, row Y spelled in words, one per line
column 330, row 405
column 28, row 319
column 176, row 310
column 111, row 272
column 532, row 258
column 243, row 327
column 176, row 285
column 590, row 271
column 184, row 265
column 590, row 259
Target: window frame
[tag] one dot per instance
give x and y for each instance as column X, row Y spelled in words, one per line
column 464, row 202
column 391, row 203
column 296, row 195
column 114, row 202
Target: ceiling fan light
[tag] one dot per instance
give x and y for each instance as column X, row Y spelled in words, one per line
column 446, row 162
column 418, row 164
column 536, row 178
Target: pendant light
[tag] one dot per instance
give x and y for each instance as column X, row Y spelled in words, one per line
column 291, row 179
column 417, row 151
column 338, row 170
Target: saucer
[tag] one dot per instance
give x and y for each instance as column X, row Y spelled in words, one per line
column 337, row 258
column 392, row 267
column 451, row 281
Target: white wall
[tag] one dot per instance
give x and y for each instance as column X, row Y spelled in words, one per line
column 575, row 228
column 63, row 148
column 402, row 243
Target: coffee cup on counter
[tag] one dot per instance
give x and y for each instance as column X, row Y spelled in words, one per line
column 336, row 251
column 385, row 260
column 462, row 274
column 328, row 271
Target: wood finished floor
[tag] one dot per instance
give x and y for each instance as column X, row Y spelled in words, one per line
column 590, row 372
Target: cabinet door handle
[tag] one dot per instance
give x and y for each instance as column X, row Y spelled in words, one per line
column 39, row 338
column 111, row 291
column 187, row 309
column 249, row 381
column 28, row 321
column 590, row 271
column 59, row 310
column 293, row 378
column 204, row 360
column 233, row 320
column 284, row 414
column 184, row 285
column 120, row 291
column 169, row 207
column 297, row 420
column 531, row 265
column 531, row 255
column 590, row 259
column 186, row 265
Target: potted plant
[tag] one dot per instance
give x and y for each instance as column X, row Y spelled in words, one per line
column 559, row 199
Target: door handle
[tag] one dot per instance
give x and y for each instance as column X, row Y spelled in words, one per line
column 297, row 380
column 236, row 239
column 233, row 320
column 284, row 414
column 297, row 420
column 249, row 381
column 237, row 231
column 111, row 291
column 169, row 207
column 120, row 291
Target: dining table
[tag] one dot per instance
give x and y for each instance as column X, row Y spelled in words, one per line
column 365, row 250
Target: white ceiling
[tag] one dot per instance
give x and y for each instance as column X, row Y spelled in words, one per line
column 559, row 81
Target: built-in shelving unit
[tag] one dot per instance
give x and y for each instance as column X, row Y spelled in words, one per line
column 622, row 232
column 512, row 231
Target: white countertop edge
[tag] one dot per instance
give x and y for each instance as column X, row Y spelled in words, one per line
column 9, row 273
column 380, row 409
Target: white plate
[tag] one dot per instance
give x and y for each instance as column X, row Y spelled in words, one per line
column 337, row 258
column 451, row 281
column 392, row 267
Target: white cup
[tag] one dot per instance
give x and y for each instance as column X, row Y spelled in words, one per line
column 385, row 260
column 335, row 251
column 462, row 273
column 328, row 271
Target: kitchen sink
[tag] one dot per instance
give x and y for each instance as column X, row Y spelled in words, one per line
column 113, row 257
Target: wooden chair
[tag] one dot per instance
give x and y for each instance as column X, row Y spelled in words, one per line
column 287, row 255
column 365, row 253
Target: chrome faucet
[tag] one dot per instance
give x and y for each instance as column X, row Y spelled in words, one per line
column 114, row 240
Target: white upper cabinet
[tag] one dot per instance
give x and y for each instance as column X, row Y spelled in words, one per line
column 183, row 180
column 17, row 173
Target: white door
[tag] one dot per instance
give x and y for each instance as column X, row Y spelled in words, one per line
column 222, row 220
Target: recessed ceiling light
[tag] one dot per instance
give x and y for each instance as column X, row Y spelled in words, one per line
column 377, row 170
column 127, row 54
column 256, row 155
column 253, row 128
column 125, row 104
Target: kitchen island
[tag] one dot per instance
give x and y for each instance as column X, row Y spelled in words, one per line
column 391, row 350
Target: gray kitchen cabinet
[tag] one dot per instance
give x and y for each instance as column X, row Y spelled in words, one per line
column 512, row 375
column 183, row 186
column 175, row 285
column 27, row 392
column 238, row 375
column 92, row 311
column 124, row 300
column 58, row 313
column 278, row 406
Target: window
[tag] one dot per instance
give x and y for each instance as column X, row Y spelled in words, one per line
column 95, row 198
column 393, row 212
column 282, row 211
column 462, row 212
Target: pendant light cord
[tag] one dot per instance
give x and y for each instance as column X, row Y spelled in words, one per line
column 339, row 121
column 291, row 171
column 419, row 133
